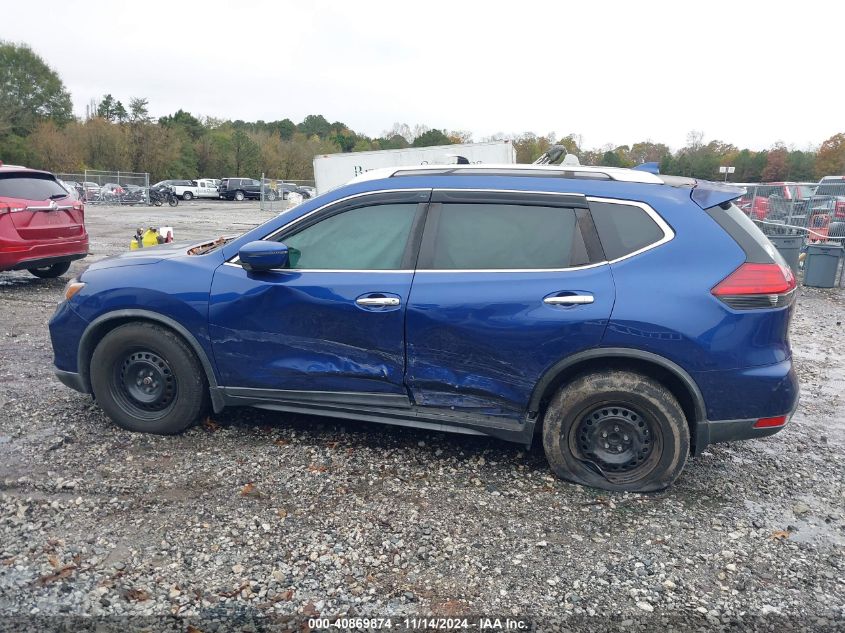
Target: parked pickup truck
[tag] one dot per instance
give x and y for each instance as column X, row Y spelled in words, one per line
column 190, row 189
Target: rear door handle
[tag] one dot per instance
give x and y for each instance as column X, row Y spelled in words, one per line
column 377, row 302
column 569, row 300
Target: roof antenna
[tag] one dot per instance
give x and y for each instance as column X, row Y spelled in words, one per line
column 652, row 168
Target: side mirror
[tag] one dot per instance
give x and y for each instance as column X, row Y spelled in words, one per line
column 263, row 255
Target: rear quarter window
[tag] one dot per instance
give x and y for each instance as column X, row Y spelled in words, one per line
column 30, row 187
column 624, row 228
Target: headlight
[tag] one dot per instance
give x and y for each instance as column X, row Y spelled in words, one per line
column 72, row 287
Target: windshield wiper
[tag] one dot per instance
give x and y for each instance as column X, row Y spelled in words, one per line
column 57, row 196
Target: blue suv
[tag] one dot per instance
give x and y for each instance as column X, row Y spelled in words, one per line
column 627, row 317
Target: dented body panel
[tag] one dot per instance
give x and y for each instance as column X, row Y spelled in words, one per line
column 480, row 341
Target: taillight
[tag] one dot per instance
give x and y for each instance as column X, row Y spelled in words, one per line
column 757, row 286
column 840, row 209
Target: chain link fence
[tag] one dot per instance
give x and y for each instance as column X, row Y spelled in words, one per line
column 813, row 210
column 278, row 195
column 110, row 187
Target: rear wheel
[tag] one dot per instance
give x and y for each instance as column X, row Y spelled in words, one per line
column 147, row 379
column 48, row 272
column 616, row 430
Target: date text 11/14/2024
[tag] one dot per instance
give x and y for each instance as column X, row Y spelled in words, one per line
column 419, row 623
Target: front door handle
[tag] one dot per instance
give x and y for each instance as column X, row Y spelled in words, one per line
column 569, row 300
column 377, row 302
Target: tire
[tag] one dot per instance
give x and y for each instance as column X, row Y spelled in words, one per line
column 49, row 272
column 173, row 201
column 239, row 196
column 169, row 391
column 270, row 196
column 187, row 196
column 606, row 410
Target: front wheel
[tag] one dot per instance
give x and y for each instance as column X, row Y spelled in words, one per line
column 187, row 196
column 147, row 379
column 49, row 272
column 616, row 430
column 270, row 196
column 239, row 196
column 173, row 200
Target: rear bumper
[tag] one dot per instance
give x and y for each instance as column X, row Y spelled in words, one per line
column 43, row 262
column 737, row 400
column 712, row 432
column 38, row 255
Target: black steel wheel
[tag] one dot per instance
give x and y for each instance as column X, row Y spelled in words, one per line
column 147, row 378
column 617, row 430
column 144, row 385
column 617, row 440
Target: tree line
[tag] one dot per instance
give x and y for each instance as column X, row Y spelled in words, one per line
column 38, row 128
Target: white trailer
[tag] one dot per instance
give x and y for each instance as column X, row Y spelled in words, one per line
column 333, row 170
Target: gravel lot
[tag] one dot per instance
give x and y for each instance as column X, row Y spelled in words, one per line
column 256, row 514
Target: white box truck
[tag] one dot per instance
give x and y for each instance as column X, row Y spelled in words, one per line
column 333, row 170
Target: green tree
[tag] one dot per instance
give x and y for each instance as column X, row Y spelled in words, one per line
column 106, row 107
column 801, row 166
column 611, row 158
column 431, row 137
column 191, row 124
column 395, row 141
column 138, row 110
column 315, row 124
column 245, row 154
column 30, row 91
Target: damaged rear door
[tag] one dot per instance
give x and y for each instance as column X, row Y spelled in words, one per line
column 507, row 285
column 333, row 319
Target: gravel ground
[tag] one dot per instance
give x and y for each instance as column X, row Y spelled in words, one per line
column 254, row 516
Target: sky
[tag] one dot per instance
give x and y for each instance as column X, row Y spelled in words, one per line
column 749, row 73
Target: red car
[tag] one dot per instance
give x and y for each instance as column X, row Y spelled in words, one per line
column 42, row 227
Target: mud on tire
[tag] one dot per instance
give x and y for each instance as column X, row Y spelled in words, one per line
column 616, row 430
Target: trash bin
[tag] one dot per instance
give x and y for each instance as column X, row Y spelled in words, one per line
column 789, row 246
column 821, row 264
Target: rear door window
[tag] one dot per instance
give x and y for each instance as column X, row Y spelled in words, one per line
column 503, row 236
column 30, row 187
column 624, row 228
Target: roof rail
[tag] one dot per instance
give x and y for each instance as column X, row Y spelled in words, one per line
column 531, row 171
